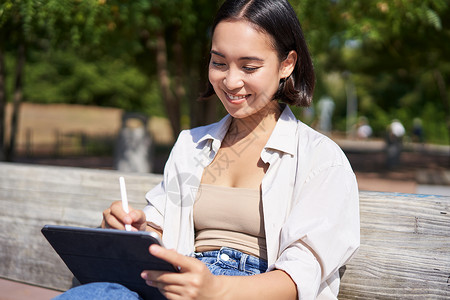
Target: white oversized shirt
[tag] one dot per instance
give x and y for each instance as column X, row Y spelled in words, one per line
column 309, row 195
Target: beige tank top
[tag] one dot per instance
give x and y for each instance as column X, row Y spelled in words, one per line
column 229, row 217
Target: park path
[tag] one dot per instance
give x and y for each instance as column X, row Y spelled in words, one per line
column 11, row 290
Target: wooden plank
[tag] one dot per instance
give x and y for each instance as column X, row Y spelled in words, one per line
column 405, row 249
column 32, row 196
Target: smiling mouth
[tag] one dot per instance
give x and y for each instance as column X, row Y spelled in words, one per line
column 237, row 99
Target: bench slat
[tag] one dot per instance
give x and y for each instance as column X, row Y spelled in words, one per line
column 405, row 248
column 405, row 238
column 32, row 196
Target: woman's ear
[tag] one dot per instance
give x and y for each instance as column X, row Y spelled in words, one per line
column 287, row 66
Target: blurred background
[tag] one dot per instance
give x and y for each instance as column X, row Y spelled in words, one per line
column 110, row 83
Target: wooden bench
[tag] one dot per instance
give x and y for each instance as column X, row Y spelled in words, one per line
column 405, row 239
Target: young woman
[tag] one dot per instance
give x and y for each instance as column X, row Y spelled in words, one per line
column 258, row 193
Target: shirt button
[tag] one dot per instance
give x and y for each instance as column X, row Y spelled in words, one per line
column 224, row 257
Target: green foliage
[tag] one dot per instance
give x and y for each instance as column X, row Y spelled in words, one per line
column 103, row 52
column 435, row 132
column 63, row 77
column 98, row 145
column 68, row 22
column 394, row 51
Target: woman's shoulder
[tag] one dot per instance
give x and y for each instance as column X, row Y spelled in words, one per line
column 315, row 144
column 291, row 133
column 309, row 137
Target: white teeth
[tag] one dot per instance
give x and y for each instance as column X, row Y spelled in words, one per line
column 235, row 97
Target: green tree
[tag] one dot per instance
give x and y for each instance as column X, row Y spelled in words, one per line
column 134, row 54
column 396, row 52
column 112, row 53
column 169, row 43
column 31, row 24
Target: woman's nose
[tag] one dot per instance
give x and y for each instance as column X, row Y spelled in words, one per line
column 233, row 79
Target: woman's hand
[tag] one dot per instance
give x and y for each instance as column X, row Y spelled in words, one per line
column 194, row 281
column 115, row 217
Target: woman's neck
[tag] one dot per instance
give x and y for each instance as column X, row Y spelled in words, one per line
column 260, row 123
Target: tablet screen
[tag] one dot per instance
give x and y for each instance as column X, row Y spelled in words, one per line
column 107, row 255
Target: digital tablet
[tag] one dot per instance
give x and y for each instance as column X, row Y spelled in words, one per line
column 108, row 255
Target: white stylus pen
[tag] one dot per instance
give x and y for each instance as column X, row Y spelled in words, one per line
column 123, row 193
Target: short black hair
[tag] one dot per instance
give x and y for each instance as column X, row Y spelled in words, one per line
column 279, row 20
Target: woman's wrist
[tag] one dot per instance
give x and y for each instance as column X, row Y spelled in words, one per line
column 271, row 285
column 149, row 227
column 222, row 287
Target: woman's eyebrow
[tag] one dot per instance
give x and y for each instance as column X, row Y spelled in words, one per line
column 241, row 58
column 217, row 53
column 251, row 58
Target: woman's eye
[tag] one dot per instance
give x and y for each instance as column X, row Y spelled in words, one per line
column 217, row 64
column 250, row 69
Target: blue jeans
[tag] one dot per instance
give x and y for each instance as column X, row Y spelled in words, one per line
column 225, row 261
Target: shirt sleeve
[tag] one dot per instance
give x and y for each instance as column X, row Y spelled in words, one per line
column 154, row 210
column 322, row 232
column 156, row 197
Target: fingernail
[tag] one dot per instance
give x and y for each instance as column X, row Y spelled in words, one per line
column 154, row 249
column 144, row 275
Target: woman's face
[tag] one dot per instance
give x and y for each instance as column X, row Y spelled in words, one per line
column 244, row 69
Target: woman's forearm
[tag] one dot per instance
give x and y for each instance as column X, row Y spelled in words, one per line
column 151, row 228
column 195, row 281
column 275, row 284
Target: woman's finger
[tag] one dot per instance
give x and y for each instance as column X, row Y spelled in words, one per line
column 193, row 281
column 163, row 277
column 183, row 263
column 111, row 222
column 171, row 285
column 139, row 219
column 105, row 224
column 135, row 217
column 172, row 296
column 118, row 212
column 172, row 292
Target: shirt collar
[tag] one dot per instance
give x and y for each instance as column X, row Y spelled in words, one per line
column 282, row 138
column 283, row 135
column 217, row 133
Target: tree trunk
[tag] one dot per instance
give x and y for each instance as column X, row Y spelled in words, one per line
column 171, row 102
column 203, row 112
column 3, row 102
column 17, row 100
column 444, row 96
column 180, row 90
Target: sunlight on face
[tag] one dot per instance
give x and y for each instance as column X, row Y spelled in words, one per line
column 244, row 68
